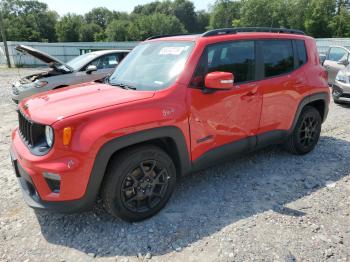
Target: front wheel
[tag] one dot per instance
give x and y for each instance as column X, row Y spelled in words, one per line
column 138, row 183
column 306, row 132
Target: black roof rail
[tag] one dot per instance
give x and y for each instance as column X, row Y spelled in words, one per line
column 169, row 35
column 225, row 31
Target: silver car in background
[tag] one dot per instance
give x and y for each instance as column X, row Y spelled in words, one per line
column 337, row 59
column 84, row 68
column 341, row 87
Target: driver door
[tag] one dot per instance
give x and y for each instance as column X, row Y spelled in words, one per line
column 223, row 117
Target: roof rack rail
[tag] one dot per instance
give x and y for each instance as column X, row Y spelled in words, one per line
column 160, row 36
column 225, row 31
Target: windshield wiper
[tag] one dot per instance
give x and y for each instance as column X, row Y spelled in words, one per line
column 124, row 86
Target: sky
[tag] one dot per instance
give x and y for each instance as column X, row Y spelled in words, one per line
column 83, row 6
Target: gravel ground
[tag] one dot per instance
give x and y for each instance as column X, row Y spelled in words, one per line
column 268, row 206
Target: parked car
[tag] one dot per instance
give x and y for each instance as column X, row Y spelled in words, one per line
column 337, row 59
column 175, row 105
column 341, row 88
column 322, row 58
column 84, row 68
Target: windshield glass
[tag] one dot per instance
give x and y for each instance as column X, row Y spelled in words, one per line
column 79, row 61
column 152, row 65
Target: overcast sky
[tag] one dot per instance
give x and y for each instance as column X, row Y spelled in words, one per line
column 83, row 6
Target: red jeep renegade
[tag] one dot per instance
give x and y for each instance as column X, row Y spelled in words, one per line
column 176, row 104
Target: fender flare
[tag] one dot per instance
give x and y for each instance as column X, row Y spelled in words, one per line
column 324, row 96
column 109, row 148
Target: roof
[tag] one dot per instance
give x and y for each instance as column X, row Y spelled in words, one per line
column 230, row 32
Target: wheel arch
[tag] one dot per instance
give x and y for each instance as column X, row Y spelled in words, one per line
column 170, row 139
column 320, row 101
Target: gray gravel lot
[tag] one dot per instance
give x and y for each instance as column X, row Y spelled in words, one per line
column 268, row 206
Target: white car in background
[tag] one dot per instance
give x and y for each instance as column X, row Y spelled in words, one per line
column 84, row 68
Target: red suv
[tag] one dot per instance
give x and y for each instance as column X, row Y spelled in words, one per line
column 176, row 104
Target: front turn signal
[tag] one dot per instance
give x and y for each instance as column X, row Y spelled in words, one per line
column 67, row 135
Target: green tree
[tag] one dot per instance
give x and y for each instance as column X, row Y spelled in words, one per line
column 203, row 19
column 223, row 13
column 28, row 21
column 318, row 17
column 157, row 24
column 68, row 28
column 265, row 13
column 89, row 32
column 340, row 24
column 100, row 16
column 117, row 30
column 183, row 10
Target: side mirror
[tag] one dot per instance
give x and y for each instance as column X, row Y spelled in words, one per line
column 219, row 80
column 343, row 62
column 90, row 69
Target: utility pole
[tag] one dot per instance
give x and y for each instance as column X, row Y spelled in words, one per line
column 3, row 35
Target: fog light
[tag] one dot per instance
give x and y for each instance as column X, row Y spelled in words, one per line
column 53, row 181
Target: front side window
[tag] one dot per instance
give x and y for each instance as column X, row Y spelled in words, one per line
column 152, row 65
column 337, row 54
column 278, row 57
column 236, row 57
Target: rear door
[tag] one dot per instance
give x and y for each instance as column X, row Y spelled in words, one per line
column 282, row 81
column 332, row 63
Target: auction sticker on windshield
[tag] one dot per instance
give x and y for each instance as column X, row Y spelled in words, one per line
column 173, row 50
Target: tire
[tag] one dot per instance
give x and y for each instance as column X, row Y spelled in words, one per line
column 306, row 132
column 336, row 101
column 138, row 183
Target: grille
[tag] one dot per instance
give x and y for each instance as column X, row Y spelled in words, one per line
column 30, row 132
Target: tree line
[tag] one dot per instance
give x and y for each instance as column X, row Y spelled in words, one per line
column 33, row 21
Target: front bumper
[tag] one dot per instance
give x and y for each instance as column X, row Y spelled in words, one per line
column 341, row 93
column 35, row 188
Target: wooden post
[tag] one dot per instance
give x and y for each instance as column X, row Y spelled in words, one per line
column 3, row 35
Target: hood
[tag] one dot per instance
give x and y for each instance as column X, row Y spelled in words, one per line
column 47, row 108
column 46, row 58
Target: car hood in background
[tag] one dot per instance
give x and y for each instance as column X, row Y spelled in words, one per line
column 46, row 58
column 49, row 107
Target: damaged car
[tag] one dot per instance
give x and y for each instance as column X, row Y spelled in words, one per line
column 84, row 68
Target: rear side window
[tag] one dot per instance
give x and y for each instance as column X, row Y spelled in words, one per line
column 235, row 57
column 301, row 52
column 337, row 53
column 278, row 57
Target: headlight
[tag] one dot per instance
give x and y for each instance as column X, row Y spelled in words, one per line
column 49, row 135
column 39, row 83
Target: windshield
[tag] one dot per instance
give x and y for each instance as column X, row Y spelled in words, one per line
column 152, row 65
column 79, row 61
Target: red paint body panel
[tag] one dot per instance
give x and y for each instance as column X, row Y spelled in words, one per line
column 98, row 113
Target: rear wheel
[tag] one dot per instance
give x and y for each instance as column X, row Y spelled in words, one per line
column 138, row 183
column 306, row 132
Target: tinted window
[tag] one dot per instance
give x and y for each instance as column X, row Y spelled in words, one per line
column 235, row 57
column 278, row 57
column 337, row 53
column 302, row 56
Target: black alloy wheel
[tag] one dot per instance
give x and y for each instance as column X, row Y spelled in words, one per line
column 138, row 183
column 306, row 132
column 145, row 186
